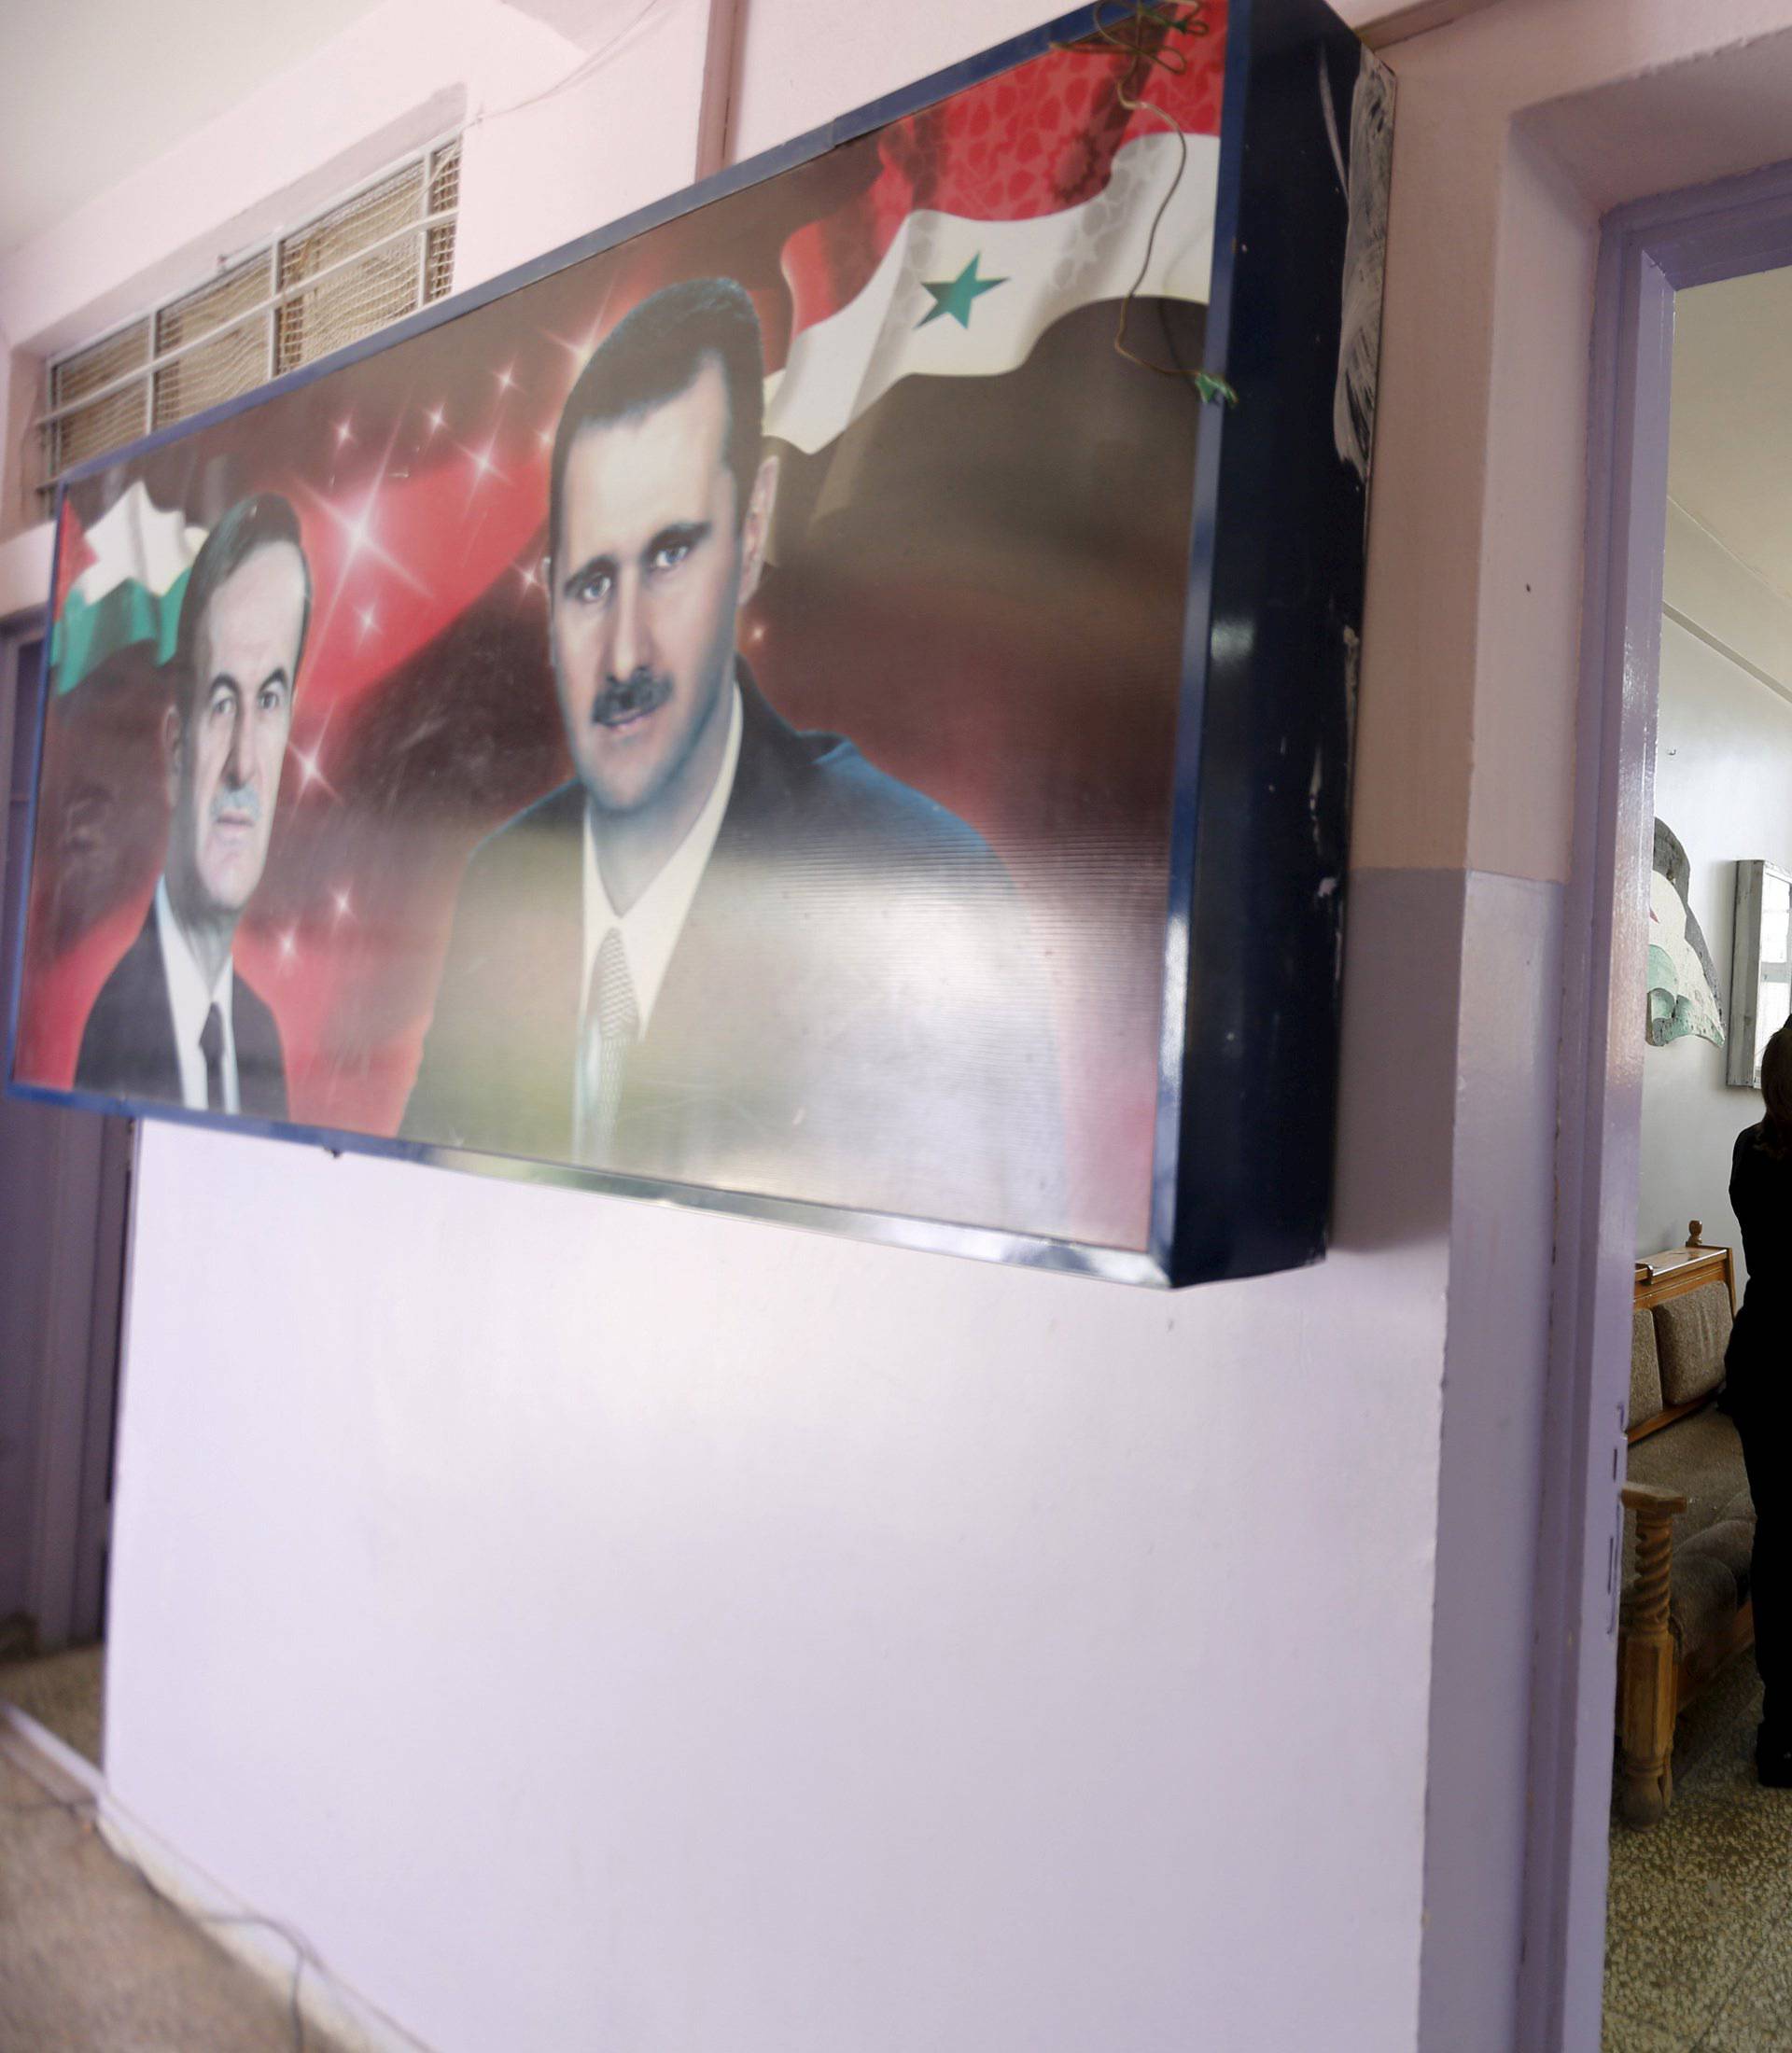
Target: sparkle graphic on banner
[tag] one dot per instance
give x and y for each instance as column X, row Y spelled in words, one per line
column 309, row 761
column 358, row 528
column 482, row 466
column 581, row 348
column 957, row 297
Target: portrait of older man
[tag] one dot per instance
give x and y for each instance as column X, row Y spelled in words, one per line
column 726, row 952
column 175, row 1021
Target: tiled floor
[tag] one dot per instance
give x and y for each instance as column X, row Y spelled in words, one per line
column 92, row 1960
column 1699, row 1938
column 62, row 1692
column 1698, row 1932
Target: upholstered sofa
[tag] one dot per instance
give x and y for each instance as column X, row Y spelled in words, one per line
column 1689, row 1521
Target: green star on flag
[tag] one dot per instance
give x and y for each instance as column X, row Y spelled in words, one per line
column 958, row 298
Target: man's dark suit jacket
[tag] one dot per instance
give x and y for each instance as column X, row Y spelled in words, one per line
column 127, row 1045
column 853, row 1014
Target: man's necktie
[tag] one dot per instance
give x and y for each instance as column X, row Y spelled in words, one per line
column 210, row 1045
column 611, row 1026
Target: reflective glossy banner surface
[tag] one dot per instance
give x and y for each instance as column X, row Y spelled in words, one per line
column 709, row 715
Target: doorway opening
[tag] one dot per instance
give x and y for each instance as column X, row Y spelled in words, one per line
column 64, row 1223
column 1633, row 994
column 1689, row 1965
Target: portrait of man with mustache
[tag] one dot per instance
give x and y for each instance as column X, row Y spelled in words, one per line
column 175, row 1021
column 727, row 952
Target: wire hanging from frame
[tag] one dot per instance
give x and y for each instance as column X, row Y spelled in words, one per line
column 1143, row 36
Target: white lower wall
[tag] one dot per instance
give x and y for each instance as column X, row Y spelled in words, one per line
column 1722, row 782
column 598, row 1627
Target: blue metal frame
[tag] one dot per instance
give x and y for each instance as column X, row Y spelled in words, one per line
column 1176, row 1250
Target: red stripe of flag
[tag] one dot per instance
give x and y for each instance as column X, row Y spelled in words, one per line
column 1037, row 140
column 74, row 555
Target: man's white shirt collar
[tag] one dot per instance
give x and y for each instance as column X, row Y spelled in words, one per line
column 190, row 1001
column 652, row 926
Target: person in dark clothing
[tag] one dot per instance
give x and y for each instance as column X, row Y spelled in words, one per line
column 1759, row 1365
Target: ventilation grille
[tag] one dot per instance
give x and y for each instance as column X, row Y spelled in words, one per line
column 377, row 255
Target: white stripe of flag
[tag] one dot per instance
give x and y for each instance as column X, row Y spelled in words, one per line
column 138, row 541
column 1050, row 264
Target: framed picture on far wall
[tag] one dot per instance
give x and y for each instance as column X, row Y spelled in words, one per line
column 1761, row 992
column 827, row 699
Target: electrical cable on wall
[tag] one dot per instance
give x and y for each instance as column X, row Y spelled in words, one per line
column 1151, row 53
column 583, row 72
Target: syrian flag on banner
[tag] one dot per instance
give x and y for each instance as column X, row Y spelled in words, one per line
column 1087, row 175
column 119, row 581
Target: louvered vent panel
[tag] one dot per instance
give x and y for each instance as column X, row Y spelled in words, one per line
column 92, row 430
column 74, row 376
column 445, row 197
column 230, row 295
column 365, row 263
column 383, row 284
column 215, row 370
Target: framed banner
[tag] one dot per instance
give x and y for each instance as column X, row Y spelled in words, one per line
column 829, row 698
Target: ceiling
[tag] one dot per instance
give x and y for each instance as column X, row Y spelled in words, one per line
column 1729, row 448
column 89, row 91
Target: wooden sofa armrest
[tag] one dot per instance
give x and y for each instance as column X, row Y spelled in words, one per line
column 1652, row 1502
column 1647, row 1681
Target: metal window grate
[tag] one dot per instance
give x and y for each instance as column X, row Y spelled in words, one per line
column 216, row 339
column 380, row 254
column 89, row 424
column 444, row 199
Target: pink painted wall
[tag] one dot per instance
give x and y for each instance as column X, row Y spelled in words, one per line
column 595, row 1625
column 598, row 1627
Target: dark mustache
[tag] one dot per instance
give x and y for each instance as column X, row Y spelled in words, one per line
column 641, row 691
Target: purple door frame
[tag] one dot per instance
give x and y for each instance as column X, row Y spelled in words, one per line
column 1648, row 251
